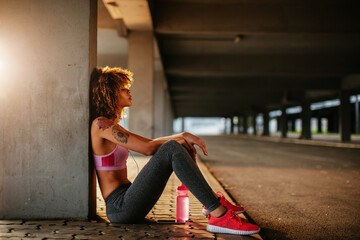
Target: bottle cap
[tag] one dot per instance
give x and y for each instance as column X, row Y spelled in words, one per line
column 182, row 188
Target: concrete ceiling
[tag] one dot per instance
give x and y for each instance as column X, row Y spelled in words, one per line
column 227, row 57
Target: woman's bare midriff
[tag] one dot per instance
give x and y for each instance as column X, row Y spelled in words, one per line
column 110, row 180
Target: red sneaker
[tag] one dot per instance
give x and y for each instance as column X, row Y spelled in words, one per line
column 225, row 203
column 231, row 223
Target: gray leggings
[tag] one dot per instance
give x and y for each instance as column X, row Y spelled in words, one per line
column 130, row 203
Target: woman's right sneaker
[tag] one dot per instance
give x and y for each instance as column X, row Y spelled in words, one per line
column 231, row 223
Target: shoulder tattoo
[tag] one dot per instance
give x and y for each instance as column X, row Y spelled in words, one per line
column 119, row 134
column 104, row 123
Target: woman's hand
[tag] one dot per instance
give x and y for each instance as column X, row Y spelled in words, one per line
column 190, row 141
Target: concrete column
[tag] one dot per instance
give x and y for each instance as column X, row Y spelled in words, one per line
column 182, row 124
column 266, row 123
column 254, row 123
column 306, row 120
column 228, row 125
column 319, row 123
column 245, row 124
column 141, row 63
column 169, row 115
column 357, row 121
column 283, row 122
column 232, row 125
column 293, row 124
column 239, row 125
column 345, row 116
column 50, row 50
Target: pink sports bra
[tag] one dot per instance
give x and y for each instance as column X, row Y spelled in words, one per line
column 115, row 160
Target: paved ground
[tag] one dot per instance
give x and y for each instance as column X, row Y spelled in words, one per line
column 163, row 211
column 292, row 191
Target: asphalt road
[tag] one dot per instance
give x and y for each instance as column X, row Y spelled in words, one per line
column 291, row 191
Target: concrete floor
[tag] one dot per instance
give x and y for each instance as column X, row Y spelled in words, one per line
column 292, row 191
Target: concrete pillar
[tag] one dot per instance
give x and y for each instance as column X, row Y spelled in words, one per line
column 305, row 120
column 254, row 123
column 266, row 123
column 236, row 124
column 345, row 116
column 182, row 124
column 141, row 63
column 319, row 123
column 245, row 124
column 357, row 121
column 228, row 125
column 283, row 122
column 50, row 50
column 169, row 115
column 232, row 125
column 293, row 124
column 239, row 129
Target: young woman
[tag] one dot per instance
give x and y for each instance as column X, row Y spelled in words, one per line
column 128, row 202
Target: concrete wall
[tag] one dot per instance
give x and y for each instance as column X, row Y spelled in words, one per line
column 49, row 48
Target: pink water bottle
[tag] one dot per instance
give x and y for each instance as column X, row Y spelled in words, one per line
column 182, row 204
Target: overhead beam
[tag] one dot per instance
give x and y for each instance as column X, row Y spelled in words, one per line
column 260, row 65
column 252, row 83
column 250, row 17
column 257, row 43
column 135, row 14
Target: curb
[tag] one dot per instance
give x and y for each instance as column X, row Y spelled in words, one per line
column 300, row 141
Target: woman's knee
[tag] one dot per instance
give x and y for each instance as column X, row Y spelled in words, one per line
column 172, row 146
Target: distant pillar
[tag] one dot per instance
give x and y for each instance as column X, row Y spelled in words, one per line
column 141, row 63
column 291, row 124
column 245, row 123
column 232, row 125
column 345, row 116
column 305, row 120
column 319, row 123
column 182, row 124
column 266, row 123
column 254, row 123
column 357, row 122
column 239, row 125
column 283, row 122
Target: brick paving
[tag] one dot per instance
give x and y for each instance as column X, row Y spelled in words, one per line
column 159, row 224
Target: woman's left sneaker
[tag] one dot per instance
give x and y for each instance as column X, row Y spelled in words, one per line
column 232, row 224
column 225, row 203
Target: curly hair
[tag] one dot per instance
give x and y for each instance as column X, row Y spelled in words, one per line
column 105, row 85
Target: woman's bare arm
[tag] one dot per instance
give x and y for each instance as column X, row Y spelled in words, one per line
column 106, row 129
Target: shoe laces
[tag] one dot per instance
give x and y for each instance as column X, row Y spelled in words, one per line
column 236, row 218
